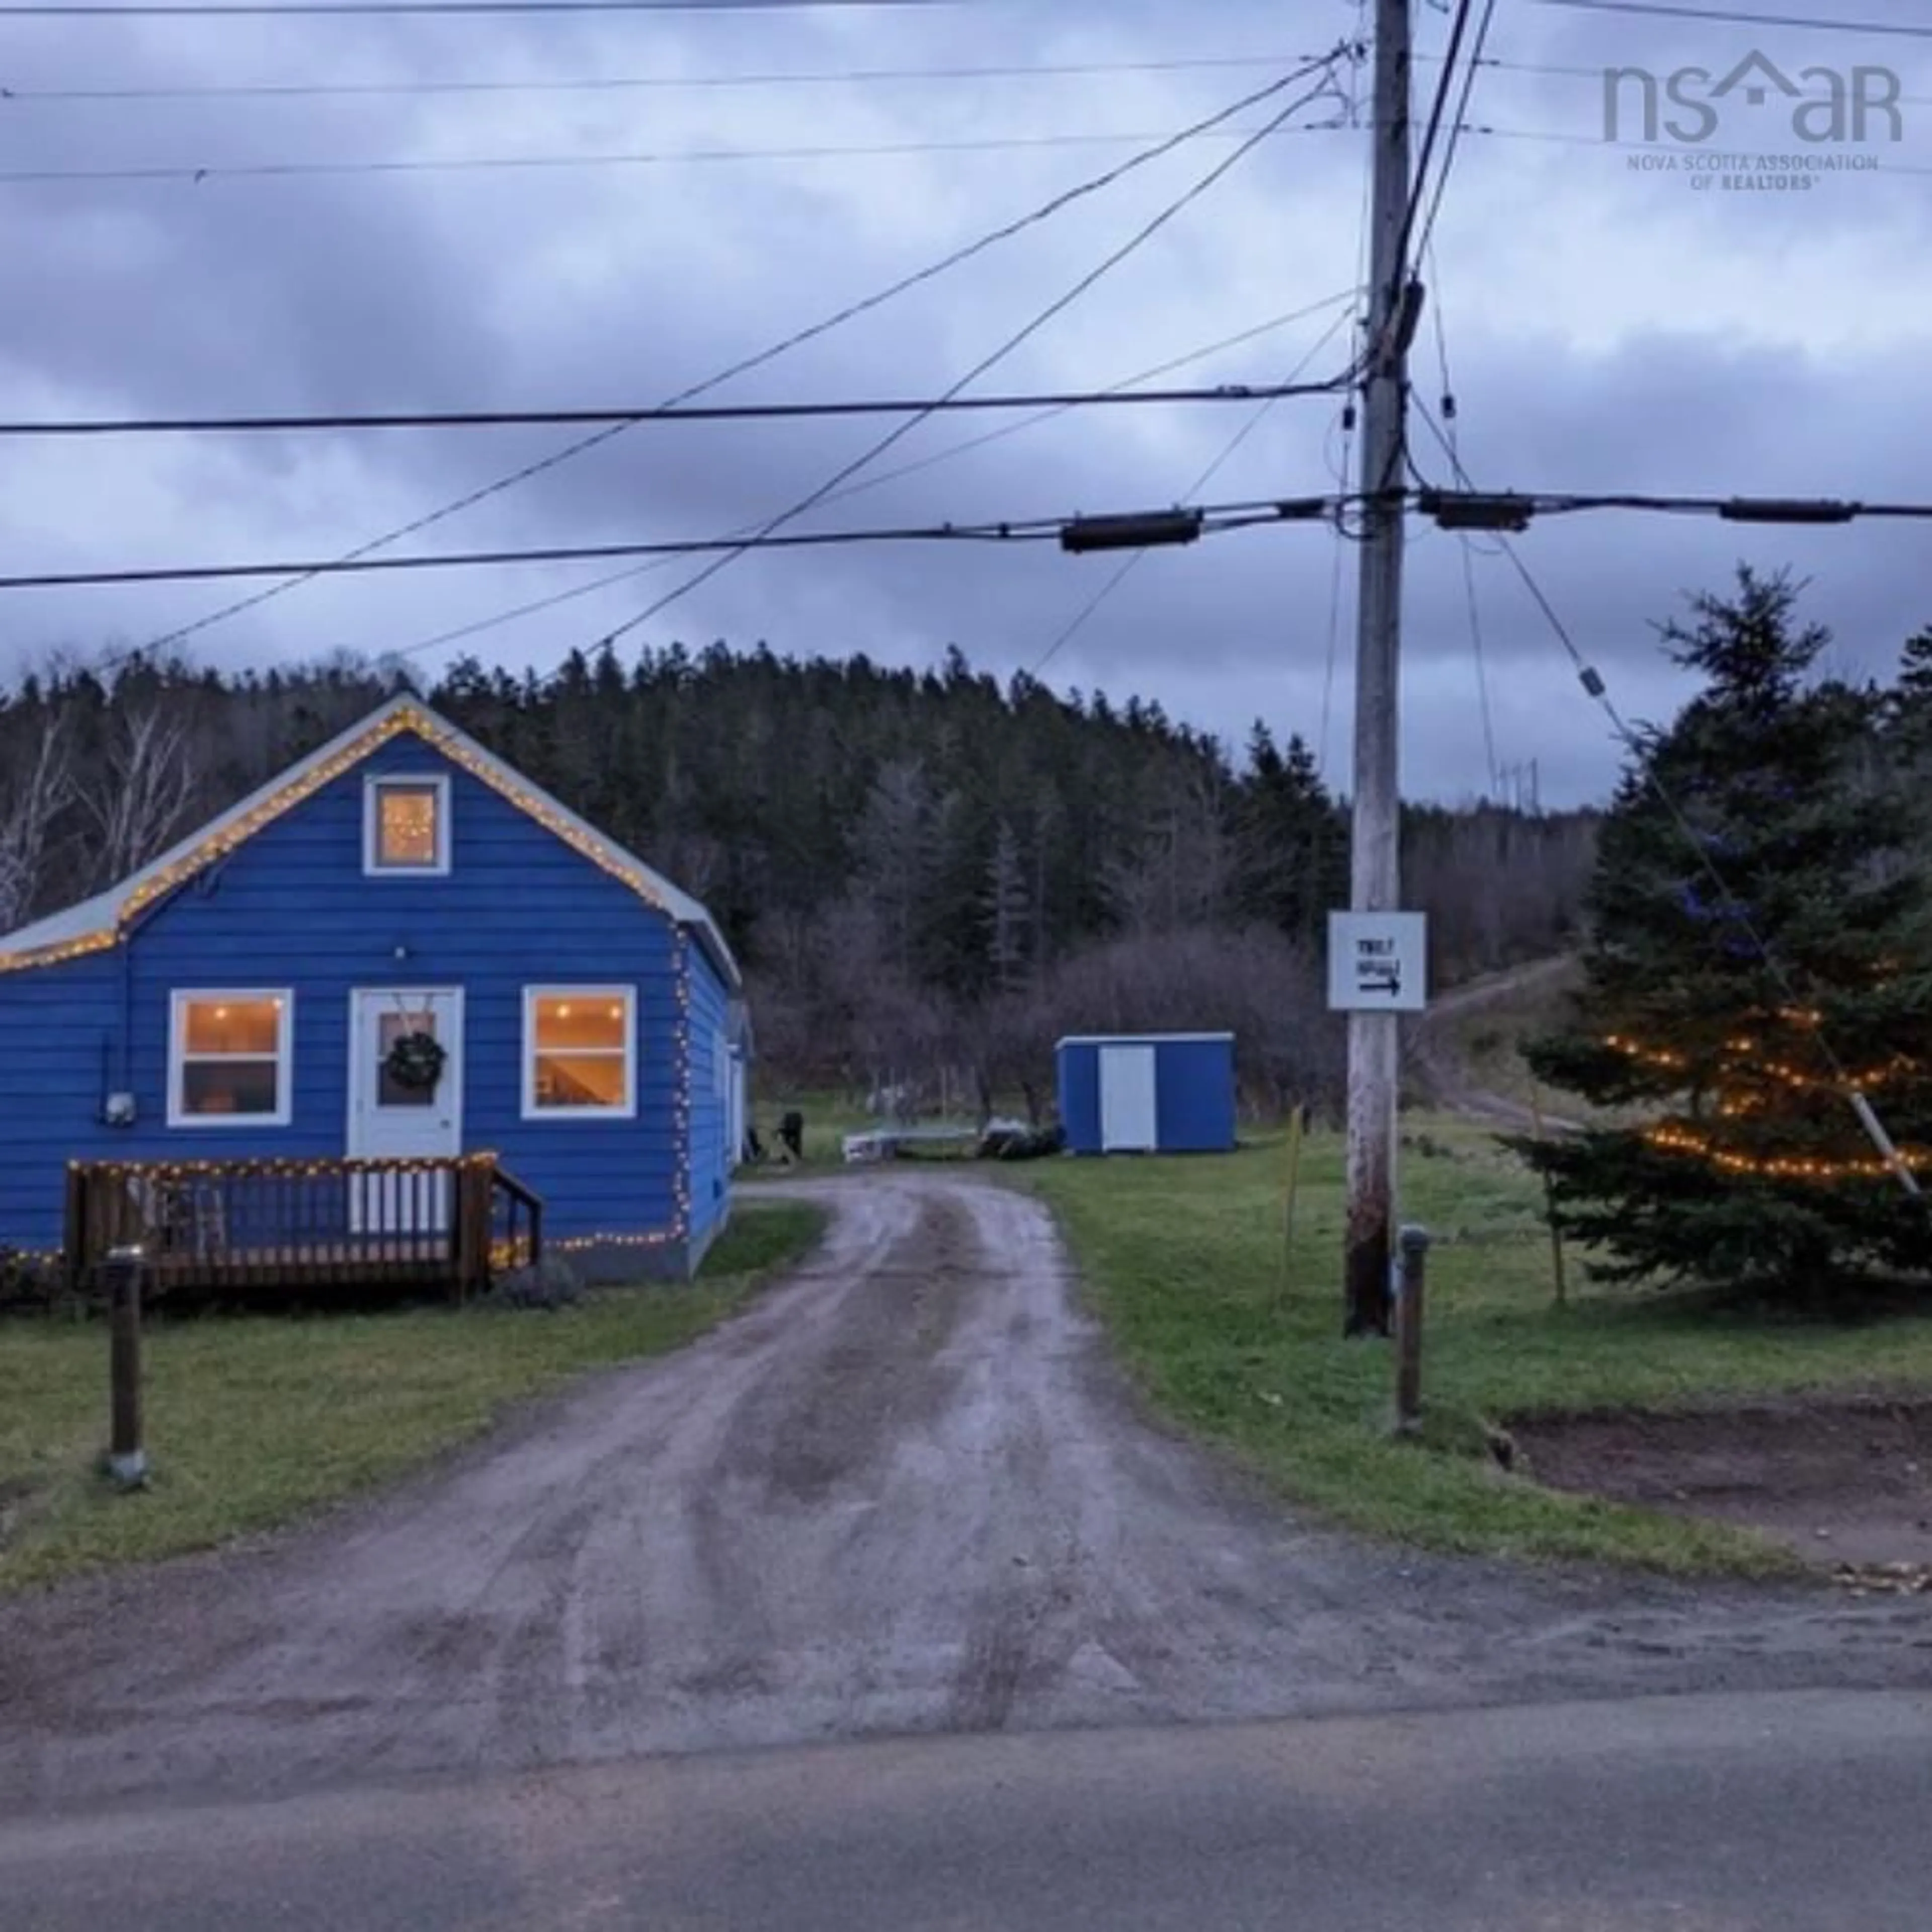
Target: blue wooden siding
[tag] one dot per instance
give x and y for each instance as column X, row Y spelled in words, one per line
column 60, row 1041
column 1194, row 1093
column 1194, row 1096
column 1079, row 1071
column 710, row 1173
column 291, row 909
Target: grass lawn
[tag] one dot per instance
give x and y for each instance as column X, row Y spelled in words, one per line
column 252, row 1419
column 1184, row 1260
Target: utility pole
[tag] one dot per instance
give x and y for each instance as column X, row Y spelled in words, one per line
column 1375, row 871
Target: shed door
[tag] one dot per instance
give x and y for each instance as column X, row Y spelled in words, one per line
column 391, row 1120
column 1127, row 1100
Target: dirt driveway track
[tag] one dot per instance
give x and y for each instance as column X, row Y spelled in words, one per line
column 905, row 1492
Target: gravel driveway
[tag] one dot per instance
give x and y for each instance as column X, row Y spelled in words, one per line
column 904, row 1493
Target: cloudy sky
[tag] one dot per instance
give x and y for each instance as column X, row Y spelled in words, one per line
column 1604, row 329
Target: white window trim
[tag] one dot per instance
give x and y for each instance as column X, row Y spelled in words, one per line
column 285, row 1059
column 372, row 788
column 531, row 1111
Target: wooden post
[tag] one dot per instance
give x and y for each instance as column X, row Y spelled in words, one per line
column 1550, row 1202
column 1375, row 1039
column 74, row 1256
column 127, row 1458
column 471, row 1208
column 1414, row 1242
column 1297, row 1117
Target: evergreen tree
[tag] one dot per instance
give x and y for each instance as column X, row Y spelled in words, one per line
column 1735, row 949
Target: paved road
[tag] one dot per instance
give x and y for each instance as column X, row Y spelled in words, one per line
column 1765, row 1814
column 906, row 1493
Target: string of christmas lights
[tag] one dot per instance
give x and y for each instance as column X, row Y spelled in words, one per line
column 1781, row 1071
column 219, row 842
column 1671, row 1138
column 1789, row 1167
column 280, row 1167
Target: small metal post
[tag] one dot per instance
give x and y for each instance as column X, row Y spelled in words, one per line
column 1414, row 1242
column 126, row 1459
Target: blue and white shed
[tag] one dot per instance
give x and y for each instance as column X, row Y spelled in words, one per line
column 1168, row 1093
column 243, row 998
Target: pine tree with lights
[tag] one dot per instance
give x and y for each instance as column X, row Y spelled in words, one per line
column 1756, row 959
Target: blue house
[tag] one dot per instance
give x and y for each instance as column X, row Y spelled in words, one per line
column 1147, row 1092
column 400, row 949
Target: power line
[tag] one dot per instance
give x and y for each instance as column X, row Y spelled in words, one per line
column 1740, row 17
column 621, row 83
column 952, row 451
column 1044, row 211
column 1467, row 543
column 1498, row 511
column 1431, row 132
column 1342, row 472
column 1211, row 520
column 221, row 10
column 1141, row 236
column 164, row 172
column 308, row 90
column 1456, row 125
column 1132, row 561
column 1066, row 400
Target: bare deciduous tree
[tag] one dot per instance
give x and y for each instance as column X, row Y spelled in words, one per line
column 30, row 801
column 136, row 802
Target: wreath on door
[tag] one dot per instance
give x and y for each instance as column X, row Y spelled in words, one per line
column 416, row 1061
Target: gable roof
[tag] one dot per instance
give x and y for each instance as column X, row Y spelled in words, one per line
column 101, row 922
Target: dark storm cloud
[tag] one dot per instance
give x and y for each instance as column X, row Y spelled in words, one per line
column 1605, row 331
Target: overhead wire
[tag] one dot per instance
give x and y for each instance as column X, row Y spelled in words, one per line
column 1432, row 133
column 634, row 415
column 1739, row 16
column 1133, row 560
column 1424, row 252
column 195, row 172
column 1138, row 239
column 1033, row 217
column 622, row 83
column 1211, row 520
column 1341, row 472
column 1467, row 544
column 554, row 599
column 1455, row 125
column 29, row 95
column 67, row 11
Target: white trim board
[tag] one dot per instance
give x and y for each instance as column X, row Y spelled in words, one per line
column 1145, row 1039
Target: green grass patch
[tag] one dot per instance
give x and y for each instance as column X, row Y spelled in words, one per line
column 1183, row 1259
column 252, row 1420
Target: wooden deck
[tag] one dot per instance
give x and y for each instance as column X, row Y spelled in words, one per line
column 299, row 1224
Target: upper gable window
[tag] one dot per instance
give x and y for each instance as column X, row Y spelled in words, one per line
column 406, row 825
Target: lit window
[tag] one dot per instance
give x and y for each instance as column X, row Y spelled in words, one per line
column 580, row 1051
column 228, row 1059
column 407, row 825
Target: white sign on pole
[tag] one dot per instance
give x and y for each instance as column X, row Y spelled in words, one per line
column 1378, row 962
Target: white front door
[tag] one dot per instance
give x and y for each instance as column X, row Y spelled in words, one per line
column 1127, row 1100
column 393, row 1118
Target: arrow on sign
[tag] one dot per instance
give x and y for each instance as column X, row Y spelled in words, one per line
column 1388, row 980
